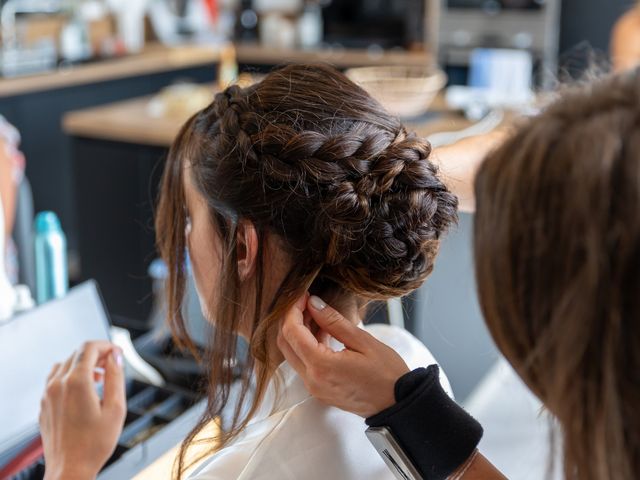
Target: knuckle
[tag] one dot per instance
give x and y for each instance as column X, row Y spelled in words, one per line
column 333, row 317
column 53, row 389
column 316, row 374
column 323, row 366
column 282, row 344
column 86, row 346
column 73, row 381
column 119, row 409
column 284, row 332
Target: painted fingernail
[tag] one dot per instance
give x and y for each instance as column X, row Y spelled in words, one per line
column 117, row 356
column 317, row 302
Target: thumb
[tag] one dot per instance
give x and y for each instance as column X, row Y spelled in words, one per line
column 114, row 396
column 332, row 322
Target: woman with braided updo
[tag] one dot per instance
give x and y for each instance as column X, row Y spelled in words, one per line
column 299, row 183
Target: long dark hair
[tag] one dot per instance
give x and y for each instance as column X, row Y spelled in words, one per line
column 557, row 249
column 308, row 156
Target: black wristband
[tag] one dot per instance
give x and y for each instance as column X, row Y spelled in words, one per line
column 432, row 429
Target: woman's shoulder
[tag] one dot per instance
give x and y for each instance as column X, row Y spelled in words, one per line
column 230, row 461
column 315, row 442
column 412, row 350
column 309, row 440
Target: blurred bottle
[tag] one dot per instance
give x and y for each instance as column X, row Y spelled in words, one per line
column 158, row 272
column 310, row 26
column 74, row 41
column 246, row 29
column 52, row 278
column 227, row 67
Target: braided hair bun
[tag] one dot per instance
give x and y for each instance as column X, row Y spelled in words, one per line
column 311, row 156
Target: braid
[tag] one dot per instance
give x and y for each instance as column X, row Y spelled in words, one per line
column 364, row 201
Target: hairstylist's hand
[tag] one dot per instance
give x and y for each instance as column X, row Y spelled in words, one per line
column 80, row 431
column 359, row 379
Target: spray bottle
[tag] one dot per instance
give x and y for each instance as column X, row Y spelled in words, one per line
column 52, row 278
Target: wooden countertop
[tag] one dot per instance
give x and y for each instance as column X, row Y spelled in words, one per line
column 130, row 122
column 153, row 59
column 342, row 58
column 158, row 58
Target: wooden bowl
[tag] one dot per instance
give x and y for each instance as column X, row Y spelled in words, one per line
column 403, row 91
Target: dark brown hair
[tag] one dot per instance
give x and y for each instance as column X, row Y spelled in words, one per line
column 557, row 249
column 310, row 157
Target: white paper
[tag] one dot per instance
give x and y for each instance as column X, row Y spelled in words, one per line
column 29, row 346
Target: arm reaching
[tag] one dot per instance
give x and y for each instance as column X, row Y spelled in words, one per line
column 363, row 379
column 460, row 161
column 625, row 41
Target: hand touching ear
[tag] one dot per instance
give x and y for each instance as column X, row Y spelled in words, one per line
column 359, row 379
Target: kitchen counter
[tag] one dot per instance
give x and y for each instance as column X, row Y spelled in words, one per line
column 130, row 122
column 157, row 58
column 154, row 58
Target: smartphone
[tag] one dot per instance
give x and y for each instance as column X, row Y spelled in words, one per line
column 391, row 452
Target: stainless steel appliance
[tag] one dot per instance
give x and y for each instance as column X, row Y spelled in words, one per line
column 531, row 25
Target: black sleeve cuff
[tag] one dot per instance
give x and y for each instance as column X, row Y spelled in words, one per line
column 432, row 429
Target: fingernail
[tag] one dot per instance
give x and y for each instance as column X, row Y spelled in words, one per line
column 317, row 302
column 117, row 356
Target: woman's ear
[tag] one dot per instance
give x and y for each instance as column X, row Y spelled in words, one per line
column 247, row 249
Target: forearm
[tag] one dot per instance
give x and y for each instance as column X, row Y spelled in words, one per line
column 460, row 161
column 625, row 38
column 479, row 468
column 437, row 435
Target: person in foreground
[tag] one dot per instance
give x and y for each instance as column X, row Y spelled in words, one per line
column 557, row 253
column 12, row 165
column 299, row 183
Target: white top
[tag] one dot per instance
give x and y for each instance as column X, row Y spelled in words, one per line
column 295, row 436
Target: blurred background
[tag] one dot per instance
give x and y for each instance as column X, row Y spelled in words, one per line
column 97, row 89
